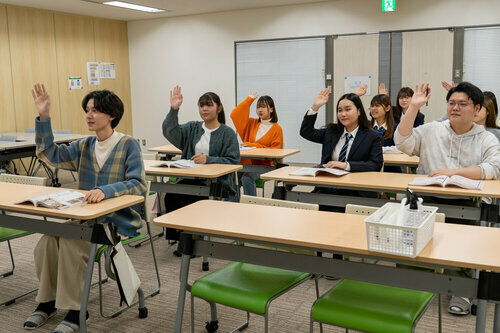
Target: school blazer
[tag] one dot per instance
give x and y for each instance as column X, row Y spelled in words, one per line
column 366, row 150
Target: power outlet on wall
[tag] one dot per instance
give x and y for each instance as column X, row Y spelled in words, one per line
column 144, row 142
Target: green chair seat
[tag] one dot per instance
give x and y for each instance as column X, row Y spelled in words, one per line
column 370, row 307
column 101, row 249
column 245, row 286
column 6, row 233
column 259, row 183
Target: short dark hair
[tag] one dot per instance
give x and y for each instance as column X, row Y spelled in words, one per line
column 267, row 102
column 363, row 122
column 107, row 102
column 209, row 98
column 473, row 92
column 384, row 101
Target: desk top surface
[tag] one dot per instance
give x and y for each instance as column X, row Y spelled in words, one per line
column 202, row 171
column 331, row 231
column 381, row 181
column 401, row 159
column 11, row 193
column 252, row 153
column 24, row 140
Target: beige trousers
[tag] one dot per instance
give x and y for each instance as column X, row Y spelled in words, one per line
column 61, row 265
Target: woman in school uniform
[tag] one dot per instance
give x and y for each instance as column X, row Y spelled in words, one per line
column 351, row 144
column 262, row 132
column 209, row 141
column 403, row 102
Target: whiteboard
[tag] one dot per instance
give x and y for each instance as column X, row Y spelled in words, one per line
column 481, row 58
column 291, row 72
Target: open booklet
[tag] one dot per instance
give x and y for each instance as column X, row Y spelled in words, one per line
column 445, row 181
column 318, row 171
column 245, row 148
column 58, row 200
column 180, row 164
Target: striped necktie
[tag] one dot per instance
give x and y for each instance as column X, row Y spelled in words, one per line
column 343, row 151
column 381, row 130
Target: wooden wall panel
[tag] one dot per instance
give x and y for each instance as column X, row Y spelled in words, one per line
column 74, row 47
column 33, row 59
column 7, row 111
column 428, row 57
column 111, row 45
column 355, row 55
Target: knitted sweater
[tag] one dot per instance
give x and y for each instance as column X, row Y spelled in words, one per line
column 247, row 129
column 122, row 173
column 223, row 149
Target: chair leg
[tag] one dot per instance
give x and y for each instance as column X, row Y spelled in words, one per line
column 13, row 300
column 439, row 314
column 11, row 260
column 317, row 296
column 266, row 322
column 192, row 313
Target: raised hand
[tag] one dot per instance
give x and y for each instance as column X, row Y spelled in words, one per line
column 176, row 98
column 254, row 95
column 42, row 101
column 382, row 90
column 420, row 97
column 447, row 85
column 361, row 90
column 321, row 99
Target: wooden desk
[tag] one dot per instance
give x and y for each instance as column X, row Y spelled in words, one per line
column 258, row 153
column 402, row 160
column 25, row 146
column 206, row 171
column 380, row 182
column 328, row 232
column 91, row 213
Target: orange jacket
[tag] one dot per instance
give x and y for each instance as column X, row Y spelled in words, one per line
column 247, row 130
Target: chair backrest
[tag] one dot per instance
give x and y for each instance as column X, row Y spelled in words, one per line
column 8, row 138
column 8, row 178
column 367, row 210
column 277, row 203
column 61, row 131
column 360, row 210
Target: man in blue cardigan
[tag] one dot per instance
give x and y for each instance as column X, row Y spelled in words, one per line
column 109, row 164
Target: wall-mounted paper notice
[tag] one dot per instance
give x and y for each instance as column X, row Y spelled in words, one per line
column 107, row 70
column 75, row 82
column 93, row 73
column 351, row 83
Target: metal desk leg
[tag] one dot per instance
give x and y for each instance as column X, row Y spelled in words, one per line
column 186, row 258
column 496, row 319
column 481, row 316
column 86, row 288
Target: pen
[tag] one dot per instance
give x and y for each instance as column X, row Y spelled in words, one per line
column 83, row 203
column 427, row 93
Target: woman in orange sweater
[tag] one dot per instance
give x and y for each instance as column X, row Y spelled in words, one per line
column 262, row 132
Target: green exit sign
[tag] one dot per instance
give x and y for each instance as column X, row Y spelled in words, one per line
column 388, row 5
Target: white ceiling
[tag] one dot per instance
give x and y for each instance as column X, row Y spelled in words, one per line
column 175, row 7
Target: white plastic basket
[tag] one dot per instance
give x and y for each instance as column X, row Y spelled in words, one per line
column 395, row 239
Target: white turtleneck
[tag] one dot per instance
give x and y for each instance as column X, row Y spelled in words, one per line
column 264, row 126
column 104, row 148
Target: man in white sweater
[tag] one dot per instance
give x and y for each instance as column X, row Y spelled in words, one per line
column 456, row 146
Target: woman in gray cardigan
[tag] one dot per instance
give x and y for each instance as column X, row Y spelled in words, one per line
column 208, row 141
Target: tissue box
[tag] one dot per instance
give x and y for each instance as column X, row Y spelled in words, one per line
column 396, row 239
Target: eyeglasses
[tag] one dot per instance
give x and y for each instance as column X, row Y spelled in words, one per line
column 461, row 105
